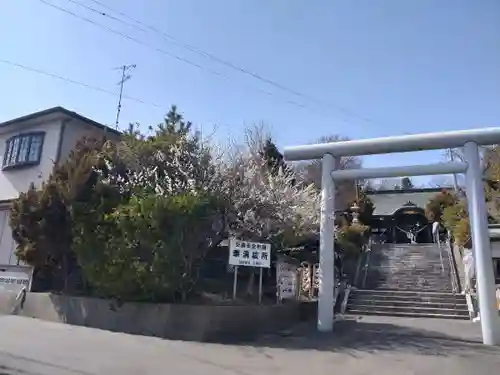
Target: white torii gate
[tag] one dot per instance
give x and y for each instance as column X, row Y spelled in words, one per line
column 330, row 154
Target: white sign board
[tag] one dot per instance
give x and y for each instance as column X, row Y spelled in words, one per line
column 250, row 254
column 287, row 280
column 14, row 278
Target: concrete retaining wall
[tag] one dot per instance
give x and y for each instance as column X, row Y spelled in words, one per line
column 7, row 301
column 172, row 321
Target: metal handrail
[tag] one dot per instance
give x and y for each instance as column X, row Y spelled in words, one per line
column 470, row 305
column 358, row 266
column 367, row 262
column 19, row 301
column 347, row 291
column 455, row 277
column 438, row 242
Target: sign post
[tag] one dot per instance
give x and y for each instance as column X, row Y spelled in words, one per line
column 249, row 254
column 235, row 282
column 260, row 285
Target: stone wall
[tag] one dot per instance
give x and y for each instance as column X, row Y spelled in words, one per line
column 172, row 321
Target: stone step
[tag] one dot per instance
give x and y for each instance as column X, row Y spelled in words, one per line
column 412, row 287
column 409, row 280
column 409, row 258
column 406, row 294
column 407, row 303
column 406, row 314
column 409, row 277
column 409, row 309
column 412, row 265
column 424, row 275
column 399, row 266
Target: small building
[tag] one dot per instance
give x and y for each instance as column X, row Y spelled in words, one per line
column 399, row 215
column 31, row 145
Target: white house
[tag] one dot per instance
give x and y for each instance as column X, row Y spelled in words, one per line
column 30, row 146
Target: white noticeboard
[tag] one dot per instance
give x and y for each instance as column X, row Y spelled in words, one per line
column 14, row 278
column 250, row 254
column 287, row 280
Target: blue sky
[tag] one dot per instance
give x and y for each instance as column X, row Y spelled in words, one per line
column 376, row 67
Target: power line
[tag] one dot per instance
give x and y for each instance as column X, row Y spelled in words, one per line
column 182, row 59
column 82, row 84
column 143, row 26
column 138, row 41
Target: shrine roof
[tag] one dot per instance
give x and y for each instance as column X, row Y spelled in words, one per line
column 387, row 202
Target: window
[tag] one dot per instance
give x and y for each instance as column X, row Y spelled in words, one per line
column 23, row 149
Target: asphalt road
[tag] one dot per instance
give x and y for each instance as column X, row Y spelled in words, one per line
column 368, row 346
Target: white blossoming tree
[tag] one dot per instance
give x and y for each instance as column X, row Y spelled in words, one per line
column 266, row 205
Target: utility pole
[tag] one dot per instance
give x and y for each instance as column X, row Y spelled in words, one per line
column 125, row 77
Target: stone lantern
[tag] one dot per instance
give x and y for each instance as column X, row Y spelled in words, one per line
column 355, row 213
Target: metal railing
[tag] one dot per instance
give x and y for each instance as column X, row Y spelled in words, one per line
column 469, row 297
column 438, row 242
column 455, row 277
column 367, row 262
column 347, row 291
column 19, row 301
column 358, row 266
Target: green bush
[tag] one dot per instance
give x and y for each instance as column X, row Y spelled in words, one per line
column 456, row 220
column 436, row 206
column 149, row 249
column 351, row 238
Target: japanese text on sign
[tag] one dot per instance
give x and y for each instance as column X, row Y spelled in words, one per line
column 251, row 254
column 14, row 280
column 286, row 280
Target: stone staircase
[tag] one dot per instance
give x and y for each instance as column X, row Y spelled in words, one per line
column 409, row 267
column 408, row 280
column 408, row 303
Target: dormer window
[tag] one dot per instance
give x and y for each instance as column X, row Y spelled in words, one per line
column 23, row 150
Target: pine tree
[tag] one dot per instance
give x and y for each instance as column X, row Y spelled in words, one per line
column 273, row 157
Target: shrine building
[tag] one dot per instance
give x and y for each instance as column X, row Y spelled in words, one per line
column 399, row 215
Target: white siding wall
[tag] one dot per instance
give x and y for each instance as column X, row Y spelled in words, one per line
column 75, row 131
column 7, row 245
column 14, row 181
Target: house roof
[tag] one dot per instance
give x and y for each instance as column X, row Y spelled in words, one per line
column 59, row 110
column 387, row 202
